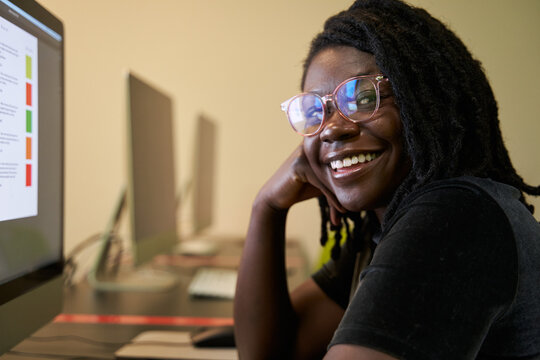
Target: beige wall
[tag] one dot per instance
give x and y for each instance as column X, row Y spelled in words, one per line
column 236, row 60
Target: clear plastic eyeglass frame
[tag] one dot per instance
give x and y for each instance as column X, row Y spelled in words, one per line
column 285, row 106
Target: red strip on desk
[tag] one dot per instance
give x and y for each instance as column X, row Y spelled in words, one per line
column 142, row 320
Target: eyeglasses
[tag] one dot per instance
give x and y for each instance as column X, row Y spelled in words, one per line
column 357, row 99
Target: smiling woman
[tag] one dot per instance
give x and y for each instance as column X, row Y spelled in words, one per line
column 401, row 144
column 368, row 185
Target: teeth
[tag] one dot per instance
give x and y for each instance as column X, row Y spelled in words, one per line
column 349, row 161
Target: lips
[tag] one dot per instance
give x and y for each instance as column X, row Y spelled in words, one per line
column 348, row 164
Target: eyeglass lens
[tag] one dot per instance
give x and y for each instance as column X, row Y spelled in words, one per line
column 356, row 99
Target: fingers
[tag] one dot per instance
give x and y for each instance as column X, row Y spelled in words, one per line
column 314, row 180
column 295, row 181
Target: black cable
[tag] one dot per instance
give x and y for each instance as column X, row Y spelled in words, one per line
column 108, row 238
column 82, row 245
column 58, row 356
column 74, row 338
column 68, row 338
column 70, row 265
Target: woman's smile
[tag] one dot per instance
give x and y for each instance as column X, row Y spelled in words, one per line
column 344, row 168
column 349, row 164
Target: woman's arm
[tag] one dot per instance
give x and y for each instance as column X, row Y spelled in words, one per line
column 269, row 323
column 264, row 318
column 318, row 317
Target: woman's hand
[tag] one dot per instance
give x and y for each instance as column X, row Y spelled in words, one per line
column 294, row 182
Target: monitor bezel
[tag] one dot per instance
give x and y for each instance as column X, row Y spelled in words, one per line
column 39, row 12
column 32, row 280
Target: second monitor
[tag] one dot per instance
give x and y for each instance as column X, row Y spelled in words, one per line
column 150, row 194
column 151, row 191
column 204, row 173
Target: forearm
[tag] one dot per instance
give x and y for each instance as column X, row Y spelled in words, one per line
column 264, row 318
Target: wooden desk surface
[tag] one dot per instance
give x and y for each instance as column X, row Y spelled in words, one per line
column 105, row 321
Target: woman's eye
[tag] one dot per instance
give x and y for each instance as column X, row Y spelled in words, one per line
column 314, row 114
column 366, row 98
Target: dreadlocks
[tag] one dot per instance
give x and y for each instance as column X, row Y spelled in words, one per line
column 447, row 107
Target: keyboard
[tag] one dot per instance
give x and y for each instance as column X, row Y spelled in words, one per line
column 213, row 283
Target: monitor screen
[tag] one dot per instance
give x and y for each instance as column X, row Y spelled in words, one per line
column 204, row 162
column 31, row 168
column 149, row 196
column 151, row 190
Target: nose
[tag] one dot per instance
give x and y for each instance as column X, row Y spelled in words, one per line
column 338, row 128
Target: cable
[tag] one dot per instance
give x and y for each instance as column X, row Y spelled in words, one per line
column 74, row 338
column 58, row 356
column 82, row 245
column 70, row 265
column 45, row 339
column 108, row 238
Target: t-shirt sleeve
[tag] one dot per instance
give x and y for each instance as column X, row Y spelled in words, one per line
column 335, row 277
column 442, row 273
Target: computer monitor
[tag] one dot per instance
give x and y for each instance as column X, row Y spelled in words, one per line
column 204, row 173
column 31, row 168
column 201, row 190
column 150, row 196
column 151, row 191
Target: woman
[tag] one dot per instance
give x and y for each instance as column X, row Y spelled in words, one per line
column 401, row 143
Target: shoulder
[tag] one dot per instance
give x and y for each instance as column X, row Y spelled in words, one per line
column 453, row 227
column 467, row 199
column 443, row 271
column 451, row 214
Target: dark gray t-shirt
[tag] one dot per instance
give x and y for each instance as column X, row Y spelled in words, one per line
column 456, row 275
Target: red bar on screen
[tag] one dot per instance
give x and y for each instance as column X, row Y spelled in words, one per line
column 28, row 174
column 28, row 94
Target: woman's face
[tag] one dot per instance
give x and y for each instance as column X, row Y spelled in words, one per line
column 367, row 185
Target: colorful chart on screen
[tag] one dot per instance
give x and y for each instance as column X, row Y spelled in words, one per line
column 18, row 122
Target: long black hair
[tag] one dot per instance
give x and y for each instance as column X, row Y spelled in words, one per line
column 447, row 107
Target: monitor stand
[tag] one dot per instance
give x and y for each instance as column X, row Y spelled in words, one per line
column 113, row 278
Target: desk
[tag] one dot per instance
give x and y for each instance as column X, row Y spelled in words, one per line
column 126, row 314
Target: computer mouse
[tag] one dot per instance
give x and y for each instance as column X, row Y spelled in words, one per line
column 221, row 336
